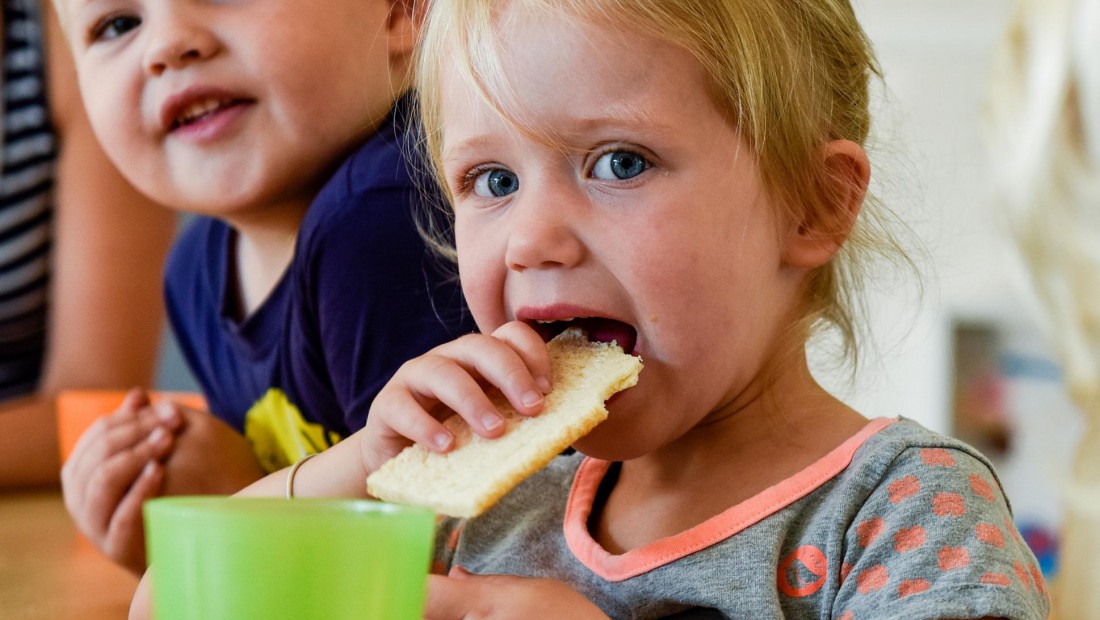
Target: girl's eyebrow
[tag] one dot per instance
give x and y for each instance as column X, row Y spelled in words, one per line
column 622, row 119
column 466, row 147
column 74, row 5
column 578, row 126
column 74, row 8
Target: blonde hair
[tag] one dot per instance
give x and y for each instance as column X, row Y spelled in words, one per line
column 792, row 74
column 1045, row 113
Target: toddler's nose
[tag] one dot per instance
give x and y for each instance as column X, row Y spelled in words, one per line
column 175, row 43
column 542, row 234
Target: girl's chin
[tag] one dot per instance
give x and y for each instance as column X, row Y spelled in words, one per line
column 217, row 200
column 607, row 443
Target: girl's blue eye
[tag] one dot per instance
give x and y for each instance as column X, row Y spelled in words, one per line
column 496, row 183
column 114, row 27
column 619, row 166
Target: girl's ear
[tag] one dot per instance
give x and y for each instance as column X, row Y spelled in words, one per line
column 847, row 172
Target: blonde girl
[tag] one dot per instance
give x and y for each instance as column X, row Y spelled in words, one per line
column 684, row 177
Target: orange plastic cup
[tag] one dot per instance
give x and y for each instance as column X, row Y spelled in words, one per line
column 78, row 409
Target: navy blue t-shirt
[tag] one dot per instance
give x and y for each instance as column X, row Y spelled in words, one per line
column 362, row 295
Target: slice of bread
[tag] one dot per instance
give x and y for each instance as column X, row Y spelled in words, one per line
column 477, row 472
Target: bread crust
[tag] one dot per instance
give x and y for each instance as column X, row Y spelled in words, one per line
column 478, row 472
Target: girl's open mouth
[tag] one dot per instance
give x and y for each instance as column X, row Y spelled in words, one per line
column 599, row 329
column 204, row 110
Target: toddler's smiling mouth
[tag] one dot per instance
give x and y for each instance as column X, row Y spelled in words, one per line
column 599, row 329
column 200, row 110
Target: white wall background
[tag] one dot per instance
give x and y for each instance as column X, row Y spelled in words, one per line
column 931, row 166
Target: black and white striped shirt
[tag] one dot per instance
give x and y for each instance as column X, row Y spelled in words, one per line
column 26, row 178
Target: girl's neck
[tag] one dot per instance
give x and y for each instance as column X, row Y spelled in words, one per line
column 740, row 450
column 262, row 252
column 783, row 412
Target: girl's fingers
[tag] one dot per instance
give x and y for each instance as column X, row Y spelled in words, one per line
column 457, row 377
column 395, row 421
column 408, row 421
column 124, row 541
column 498, row 363
column 106, row 436
column 117, row 431
column 169, row 414
column 135, row 399
column 118, row 434
column 528, row 344
column 108, row 483
column 447, row 598
column 446, row 381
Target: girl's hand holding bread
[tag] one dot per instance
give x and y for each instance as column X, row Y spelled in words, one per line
column 477, row 472
column 455, row 377
column 450, row 377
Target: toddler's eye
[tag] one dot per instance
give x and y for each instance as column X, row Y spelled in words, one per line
column 619, row 166
column 114, row 27
column 496, row 183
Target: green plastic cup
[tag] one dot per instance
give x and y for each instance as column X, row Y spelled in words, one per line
column 237, row 558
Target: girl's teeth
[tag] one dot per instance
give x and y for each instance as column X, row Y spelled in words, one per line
column 198, row 109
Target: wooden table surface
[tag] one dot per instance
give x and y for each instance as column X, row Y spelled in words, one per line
column 48, row 572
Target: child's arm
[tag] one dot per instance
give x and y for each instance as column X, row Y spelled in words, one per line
column 462, row 595
column 209, row 457
column 448, row 378
column 503, row 597
column 114, row 467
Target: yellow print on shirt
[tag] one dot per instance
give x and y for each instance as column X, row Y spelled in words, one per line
column 278, row 433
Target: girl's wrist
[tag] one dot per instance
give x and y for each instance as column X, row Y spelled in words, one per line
column 292, row 473
column 336, row 472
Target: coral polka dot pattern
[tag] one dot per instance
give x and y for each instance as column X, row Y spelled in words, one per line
column 937, row 528
column 903, row 488
column 981, row 487
column 990, row 534
column 996, row 579
column 948, row 505
column 909, row 538
column 937, row 457
column 897, row 523
column 869, row 530
column 910, row 587
column 952, row 558
column 873, row 579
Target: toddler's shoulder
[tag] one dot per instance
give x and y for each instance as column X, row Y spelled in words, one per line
column 387, row 160
column 905, row 448
column 908, row 469
column 379, row 190
column 909, row 473
column 363, row 211
column 931, row 525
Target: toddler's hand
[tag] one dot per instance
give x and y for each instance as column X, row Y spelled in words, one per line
column 503, row 597
column 141, row 606
column 209, row 458
column 454, row 377
column 114, row 467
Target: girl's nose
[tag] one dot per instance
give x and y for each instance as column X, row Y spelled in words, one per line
column 542, row 235
column 176, row 43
